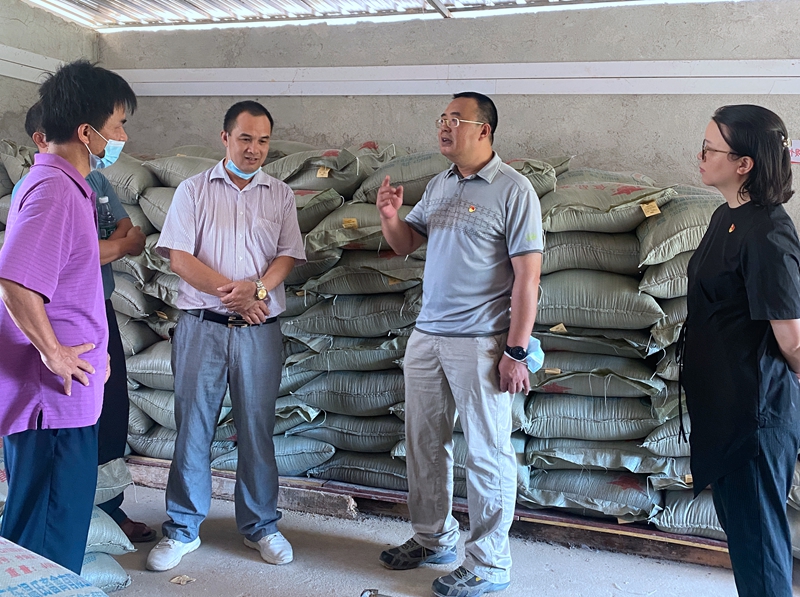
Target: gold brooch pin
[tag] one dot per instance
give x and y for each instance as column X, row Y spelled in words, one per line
column 471, row 208
column 732, row 228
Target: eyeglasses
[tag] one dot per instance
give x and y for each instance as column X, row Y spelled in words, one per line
column 706, row 149
column 453, row 122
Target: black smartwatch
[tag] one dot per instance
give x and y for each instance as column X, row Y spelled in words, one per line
column 516, row 352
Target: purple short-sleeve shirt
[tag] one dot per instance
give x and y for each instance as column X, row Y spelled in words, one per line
column 51, row 248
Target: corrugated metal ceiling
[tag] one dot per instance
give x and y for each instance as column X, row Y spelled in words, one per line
column 109, row 14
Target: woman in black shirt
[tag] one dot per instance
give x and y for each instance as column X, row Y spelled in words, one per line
column 741, row 349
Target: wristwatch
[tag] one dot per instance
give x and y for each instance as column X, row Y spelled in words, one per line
column 261, row 292
column 516, row 352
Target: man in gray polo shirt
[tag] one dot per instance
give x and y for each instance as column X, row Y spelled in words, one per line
column 483, row 225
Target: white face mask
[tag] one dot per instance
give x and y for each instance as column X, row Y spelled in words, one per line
column 111, row 153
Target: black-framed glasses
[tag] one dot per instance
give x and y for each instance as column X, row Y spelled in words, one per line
column 454, row 122
column 705, row 149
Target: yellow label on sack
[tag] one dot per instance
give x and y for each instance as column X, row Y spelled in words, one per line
column 323, row 171
column 161, row 315
column 552, row 371
column 559, row 329
column 349, row 223
column 620, row 521
column 300, row 293
column 393, row 281
column 650, row 209
column 688, row 479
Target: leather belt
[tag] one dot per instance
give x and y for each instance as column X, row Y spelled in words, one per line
column 232, row 321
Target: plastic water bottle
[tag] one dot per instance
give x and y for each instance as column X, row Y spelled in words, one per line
column 106, row 223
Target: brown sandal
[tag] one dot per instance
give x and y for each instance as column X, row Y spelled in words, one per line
column 137, row 532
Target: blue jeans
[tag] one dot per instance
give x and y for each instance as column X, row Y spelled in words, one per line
column 206, row 358
column 52, row 475
column 751, row 507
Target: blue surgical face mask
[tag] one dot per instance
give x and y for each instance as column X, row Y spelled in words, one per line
column 234, row 169
column 112, row 150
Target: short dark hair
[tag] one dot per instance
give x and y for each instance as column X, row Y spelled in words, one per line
column 761, row 135
column 81, row 92
column 249, row 106
column 487, row 111
column 33, row 119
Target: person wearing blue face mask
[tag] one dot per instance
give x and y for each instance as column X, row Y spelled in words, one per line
column 127, row 239
column 231, row 234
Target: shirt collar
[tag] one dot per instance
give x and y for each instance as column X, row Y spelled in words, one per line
column 487, row 173
column 219, row 171
column 56, row 161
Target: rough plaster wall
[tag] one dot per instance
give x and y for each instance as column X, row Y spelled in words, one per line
column 29, row 28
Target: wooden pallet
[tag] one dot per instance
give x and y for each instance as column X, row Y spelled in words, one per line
column 345, row 500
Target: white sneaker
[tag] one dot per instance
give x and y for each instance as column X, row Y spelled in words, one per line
column 168, row 553
column 274, row 548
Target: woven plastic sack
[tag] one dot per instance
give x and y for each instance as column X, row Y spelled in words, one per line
column 129, row 178
column 683, row 514
column 136, row 335
column 293, row 378
column 359, row 394
column 559, row 163
column 318, row 170
column 130, row 301
column 365, row 316
column 112, row 479
column 149, row 259
column 139, row 422
column 198, row 151
column 371, row 470
column 668, row 367
column 678, row 479
column 159, row 405
column 132, row 267
column 622, row 495
column 594, row 175
column 5, row 207
column 357, row 434
column 368, row 272
column 163, row 321
column 616, row 253
column 591, row 299
column 317, row 263
column 104, row 572
column 678, row 228
column 586, row 418
column 668, row 280
column 413, row 172
column 138, row 218
column 599, row 206
column 280, row 149
column 155, row 203
column 159, row 442
column 668, row 328
column 794, row 492
column 666, row 440
column 40, row 577
column 163, row 286
column 632, row 344
column 376, row 153
column 172, row 171
column 355, row 226
column 314, row 206
column 357, row 354
column 460, row 452
column 541, row 174
column 152, row 367
column 6, row 186
column 105, row 536
column 573, row 454
column 293, row 455
column 299, row 301
column 399, row 410
column 665, row 404
column 17, row 159
column 595, row 375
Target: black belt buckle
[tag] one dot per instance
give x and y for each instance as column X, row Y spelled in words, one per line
column 237, row 322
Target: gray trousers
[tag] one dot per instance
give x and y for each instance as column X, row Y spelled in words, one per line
column 207, row 357
column 442, row 374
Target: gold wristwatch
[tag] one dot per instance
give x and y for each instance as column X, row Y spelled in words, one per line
column 261, row 292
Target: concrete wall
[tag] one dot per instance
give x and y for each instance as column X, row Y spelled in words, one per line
column 29, row 28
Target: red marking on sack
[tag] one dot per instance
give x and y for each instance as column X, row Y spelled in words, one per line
column 627, row 189
column 305, row 192
column 370, row 145
column 330, row 152
column 554, row 388
column 627, row 482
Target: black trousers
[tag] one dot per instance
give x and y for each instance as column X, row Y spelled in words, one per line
column 113, row 423
column 751, row 506
column 52, row 475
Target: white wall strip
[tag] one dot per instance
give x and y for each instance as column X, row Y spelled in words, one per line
column 667, row 77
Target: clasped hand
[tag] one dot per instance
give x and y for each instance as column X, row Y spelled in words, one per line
column 240, row 297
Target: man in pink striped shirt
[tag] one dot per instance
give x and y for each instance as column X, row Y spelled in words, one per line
column 52, row 320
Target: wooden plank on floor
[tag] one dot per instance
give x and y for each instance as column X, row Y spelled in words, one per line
column 333, row 498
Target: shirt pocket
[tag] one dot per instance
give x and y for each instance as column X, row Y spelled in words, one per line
column 266, row 235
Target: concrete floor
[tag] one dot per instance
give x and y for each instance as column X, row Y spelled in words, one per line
column 335, row 557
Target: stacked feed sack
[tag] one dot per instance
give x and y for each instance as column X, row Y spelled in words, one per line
column 667, row 242
column 597, row 395
column 15, row 161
